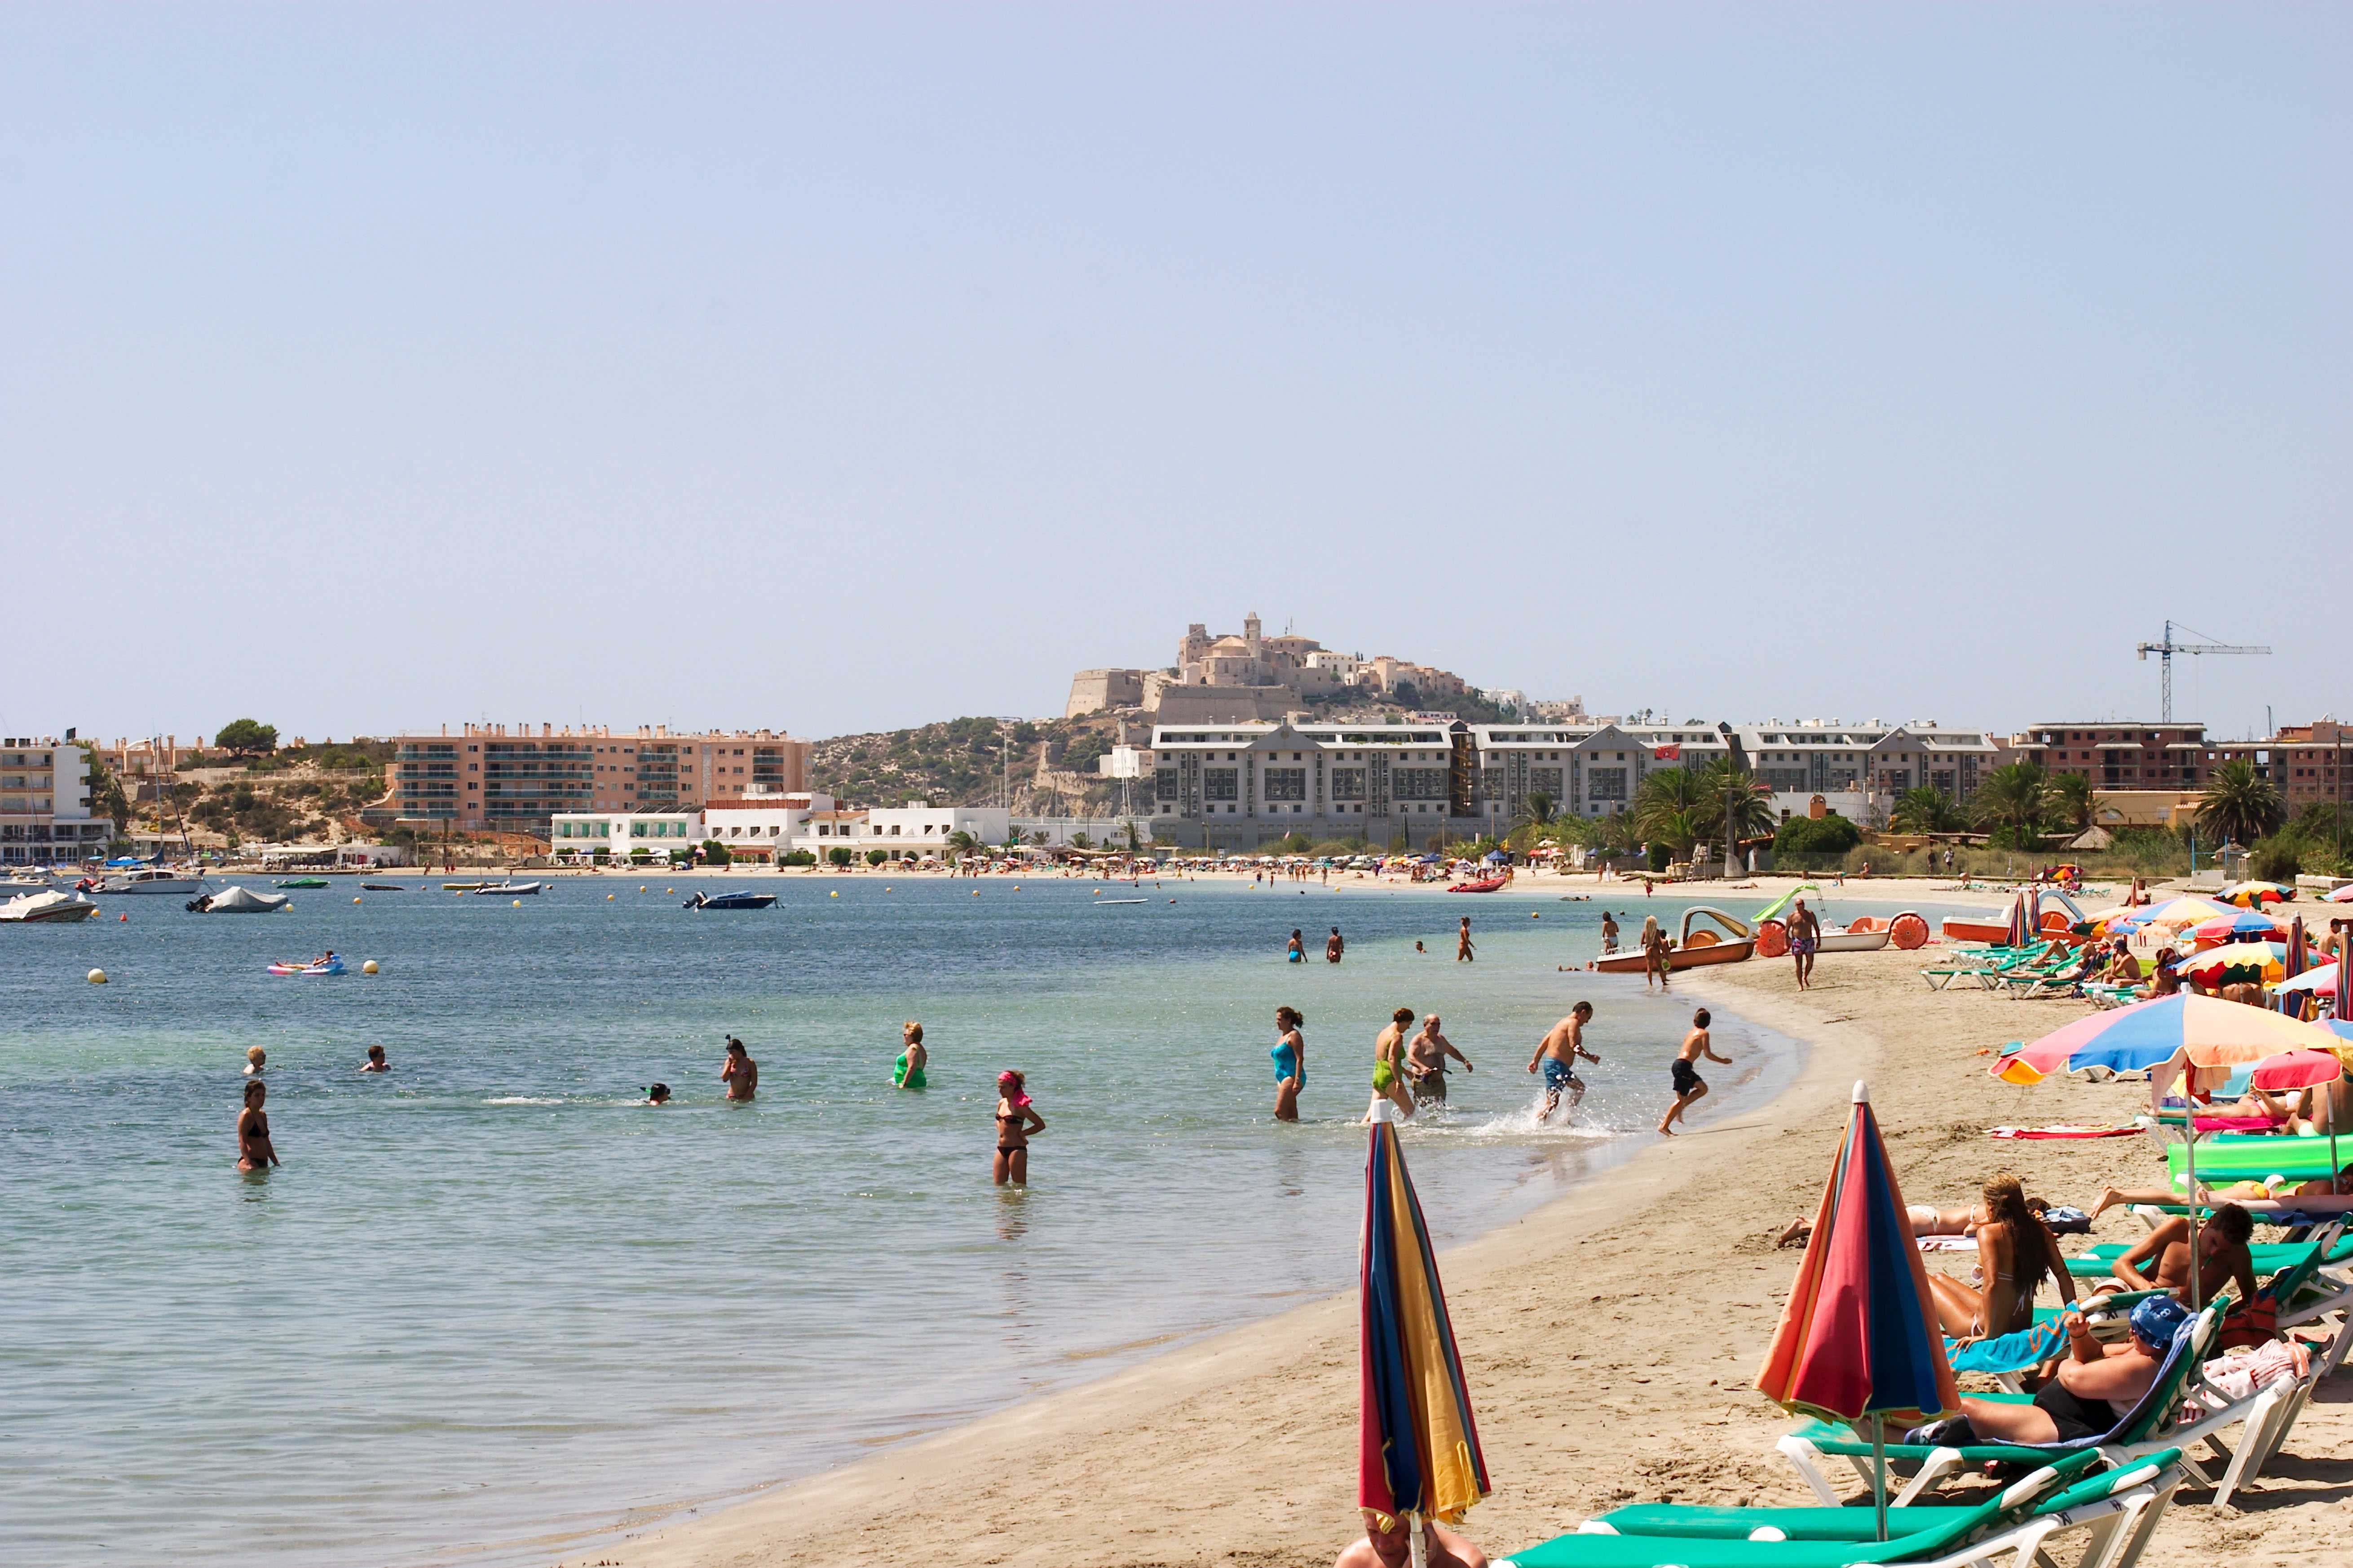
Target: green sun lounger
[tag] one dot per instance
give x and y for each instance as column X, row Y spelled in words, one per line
column 2230, row 1158
column 2269, row 1258
column 1952, row 1527
column 2117, row 1511
column 2146, row 1428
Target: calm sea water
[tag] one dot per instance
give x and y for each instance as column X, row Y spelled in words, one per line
column 490, row 1307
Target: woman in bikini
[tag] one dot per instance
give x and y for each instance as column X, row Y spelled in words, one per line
column 2015, row 1250
column 1017, row 1121
column 254, row 1150
column 1289, row 1055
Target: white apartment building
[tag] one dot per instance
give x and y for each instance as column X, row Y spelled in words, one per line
column 906, row 832
column 578, row 835
column 44, row 811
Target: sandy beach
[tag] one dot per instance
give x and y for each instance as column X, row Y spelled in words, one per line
column 1610, row 1338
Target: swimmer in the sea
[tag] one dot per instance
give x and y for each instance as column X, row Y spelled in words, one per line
column 1289, row 1055
column 907, row 1073
column 254, row 1150
column 658, row 1095
column 255, row 1059
column 1297, row 952
column 375, row 1062
column 740, row 1072
column 1016, row 1123
column 1388, row 1063
column 1425, row 1062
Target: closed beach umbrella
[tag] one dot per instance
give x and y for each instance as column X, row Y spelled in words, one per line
column 2295, row 953
column 2021, row 923
column 1858, row 1336
column 1417, row 1446
column 2263, row 962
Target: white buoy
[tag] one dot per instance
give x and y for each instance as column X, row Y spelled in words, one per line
column 368, row 968
column 98, row 977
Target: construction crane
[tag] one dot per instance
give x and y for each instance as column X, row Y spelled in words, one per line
column 2166, row 650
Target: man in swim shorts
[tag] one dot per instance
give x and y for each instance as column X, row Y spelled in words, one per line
column 1805, row 935
column 1557, row 1053
column 1609, row 933
column 1689, row 1085
column 1425, row 1062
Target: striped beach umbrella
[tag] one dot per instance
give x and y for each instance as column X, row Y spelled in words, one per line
column 2263, row 962
column 2188, row 910
column 1417, row 1446
column 2254, row 895
column 2296, row 956
column 2148, row 1035
column 1858, row 1336
column 2239, row 925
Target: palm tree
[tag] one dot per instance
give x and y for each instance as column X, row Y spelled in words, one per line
column 1749, row 799
column 962, row 843
column 1924, row 810
column 2240, row 805
column 1670, row 792
column 1678, row 830
column 2015, row 796
column 2071, row 800
column 1537, row 810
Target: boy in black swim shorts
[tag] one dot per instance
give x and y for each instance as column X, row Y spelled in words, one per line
column 1689, row 1085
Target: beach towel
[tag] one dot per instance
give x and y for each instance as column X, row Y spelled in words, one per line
column 2010, row 1352
column 1947, row 1243
column 2238, row 1376
column 2061, row 1132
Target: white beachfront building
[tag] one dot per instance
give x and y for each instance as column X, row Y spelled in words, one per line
column 908, row 832
column 584, row 835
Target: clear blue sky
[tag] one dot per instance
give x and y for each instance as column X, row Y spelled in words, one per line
column 849, row 367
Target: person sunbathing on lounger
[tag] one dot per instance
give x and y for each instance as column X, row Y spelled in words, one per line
column 2015, row 1250
column 2223, row 1257
column 2096, row 1388
column 1926, row 1221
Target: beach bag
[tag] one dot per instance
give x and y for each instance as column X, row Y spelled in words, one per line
column 2251, row 1326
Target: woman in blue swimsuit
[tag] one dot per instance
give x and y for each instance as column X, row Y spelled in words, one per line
column 1289, row 1055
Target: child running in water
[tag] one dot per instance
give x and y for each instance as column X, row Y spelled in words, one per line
column 1689, row 1085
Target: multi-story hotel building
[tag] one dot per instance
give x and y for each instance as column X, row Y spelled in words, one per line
column 2118, row 754
column 2307, row 761
column 45, row 812
column 1239, row 785
column 489, row 777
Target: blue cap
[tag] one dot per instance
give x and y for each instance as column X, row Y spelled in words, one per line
column 2157, row 1319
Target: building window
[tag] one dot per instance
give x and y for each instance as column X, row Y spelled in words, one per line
column 1221, row 783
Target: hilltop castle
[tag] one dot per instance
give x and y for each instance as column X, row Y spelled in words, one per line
column 1251, row 676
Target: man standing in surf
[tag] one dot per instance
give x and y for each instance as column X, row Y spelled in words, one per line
column 1689, row 1085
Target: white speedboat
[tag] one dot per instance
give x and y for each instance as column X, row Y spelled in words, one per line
column 45, row 907
column 150, row 879
column 500, row 889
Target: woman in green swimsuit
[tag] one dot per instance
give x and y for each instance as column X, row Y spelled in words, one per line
column 909, row 1072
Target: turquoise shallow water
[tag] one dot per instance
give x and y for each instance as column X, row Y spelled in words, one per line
column 490, row 1306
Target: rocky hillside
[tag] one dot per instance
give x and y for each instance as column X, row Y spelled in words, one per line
column 960, row 763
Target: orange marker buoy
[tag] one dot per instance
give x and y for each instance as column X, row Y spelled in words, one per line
column 126, row 919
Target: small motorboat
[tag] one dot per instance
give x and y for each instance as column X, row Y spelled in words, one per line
column 304, row 882
column 1484, row 885
column 499, row 890
column 730, row 901
column 236, row 900
column 1699, row 945
column 323, row 967
column 50, row 905
column 150, row 879
column 384, row 886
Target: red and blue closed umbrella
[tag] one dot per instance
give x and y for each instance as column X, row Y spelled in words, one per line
column 1417, row 1445
column 1859, row 1334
